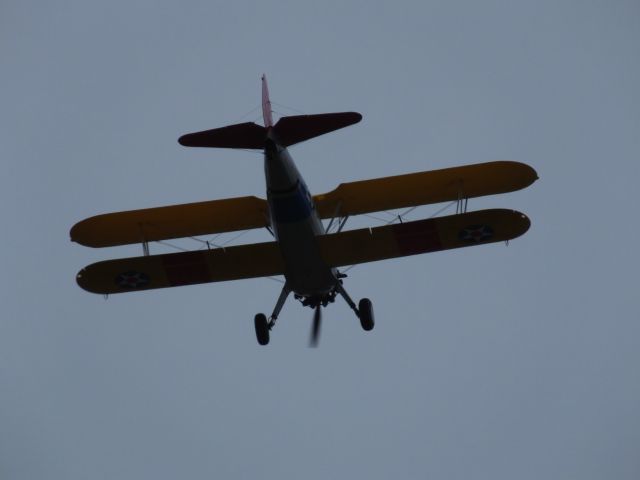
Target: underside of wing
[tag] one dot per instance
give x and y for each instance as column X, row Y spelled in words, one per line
column 422, row 236
column 175, row 221
column 186, row 268
column 423, row 188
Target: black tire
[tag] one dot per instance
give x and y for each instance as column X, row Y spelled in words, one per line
column 365, row 309
column 262, row 328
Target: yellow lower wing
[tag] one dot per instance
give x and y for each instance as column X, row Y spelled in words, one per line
column 422, row 236
column 423, row 188
column 177, row 269
column 175, row 221
column 264, row 259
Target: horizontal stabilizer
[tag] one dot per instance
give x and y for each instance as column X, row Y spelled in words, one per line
column 185, row 268
column 422, row 236
column 288, row 131
column 241, row 135
column 298, row 128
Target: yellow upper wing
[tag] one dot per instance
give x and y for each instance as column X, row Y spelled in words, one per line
column 175, row 221
column 242, row 213
column 422, row 188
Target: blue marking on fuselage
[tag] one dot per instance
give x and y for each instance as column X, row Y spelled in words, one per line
column 294, row 207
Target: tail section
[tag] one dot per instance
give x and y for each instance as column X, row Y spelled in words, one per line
column 287, row 131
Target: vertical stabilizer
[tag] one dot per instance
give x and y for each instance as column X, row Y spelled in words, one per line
column 266, row 104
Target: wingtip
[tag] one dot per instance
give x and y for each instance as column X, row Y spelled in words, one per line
column 358, row 116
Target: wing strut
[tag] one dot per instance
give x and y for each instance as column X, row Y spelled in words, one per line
column 335, row 215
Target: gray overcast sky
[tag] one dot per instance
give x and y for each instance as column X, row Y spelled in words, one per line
column 485, row 363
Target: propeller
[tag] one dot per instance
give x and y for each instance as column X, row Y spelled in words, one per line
column 315, row 327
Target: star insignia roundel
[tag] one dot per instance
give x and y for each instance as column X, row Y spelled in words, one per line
column 131, row 280
column 476, row 233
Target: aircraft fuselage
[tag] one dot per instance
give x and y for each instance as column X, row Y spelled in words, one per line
column 296, row 225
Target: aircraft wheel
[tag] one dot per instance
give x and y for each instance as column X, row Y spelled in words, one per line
column 365, row 307
column 262, row 328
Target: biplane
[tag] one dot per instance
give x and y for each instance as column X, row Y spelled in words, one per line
column 305, row 251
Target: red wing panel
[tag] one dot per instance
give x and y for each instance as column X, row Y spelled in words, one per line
column 413, row 237
column 187, row 268
column 177, row 269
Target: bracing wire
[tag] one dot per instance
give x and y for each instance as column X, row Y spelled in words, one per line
column 257, row 107
column 244, row 232
column 162, row 242
column 378, row 219
column 289, row 108
column 205, row 244
column 438, row 212
column 255, row 152
column 391, row 214
column 279, row 280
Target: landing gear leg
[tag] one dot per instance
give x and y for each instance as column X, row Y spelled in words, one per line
column 279, row 304
column 364, row 310
column 340, row 289
column 262, row 325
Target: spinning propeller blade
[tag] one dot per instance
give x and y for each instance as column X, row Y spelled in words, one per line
column 315, row 327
